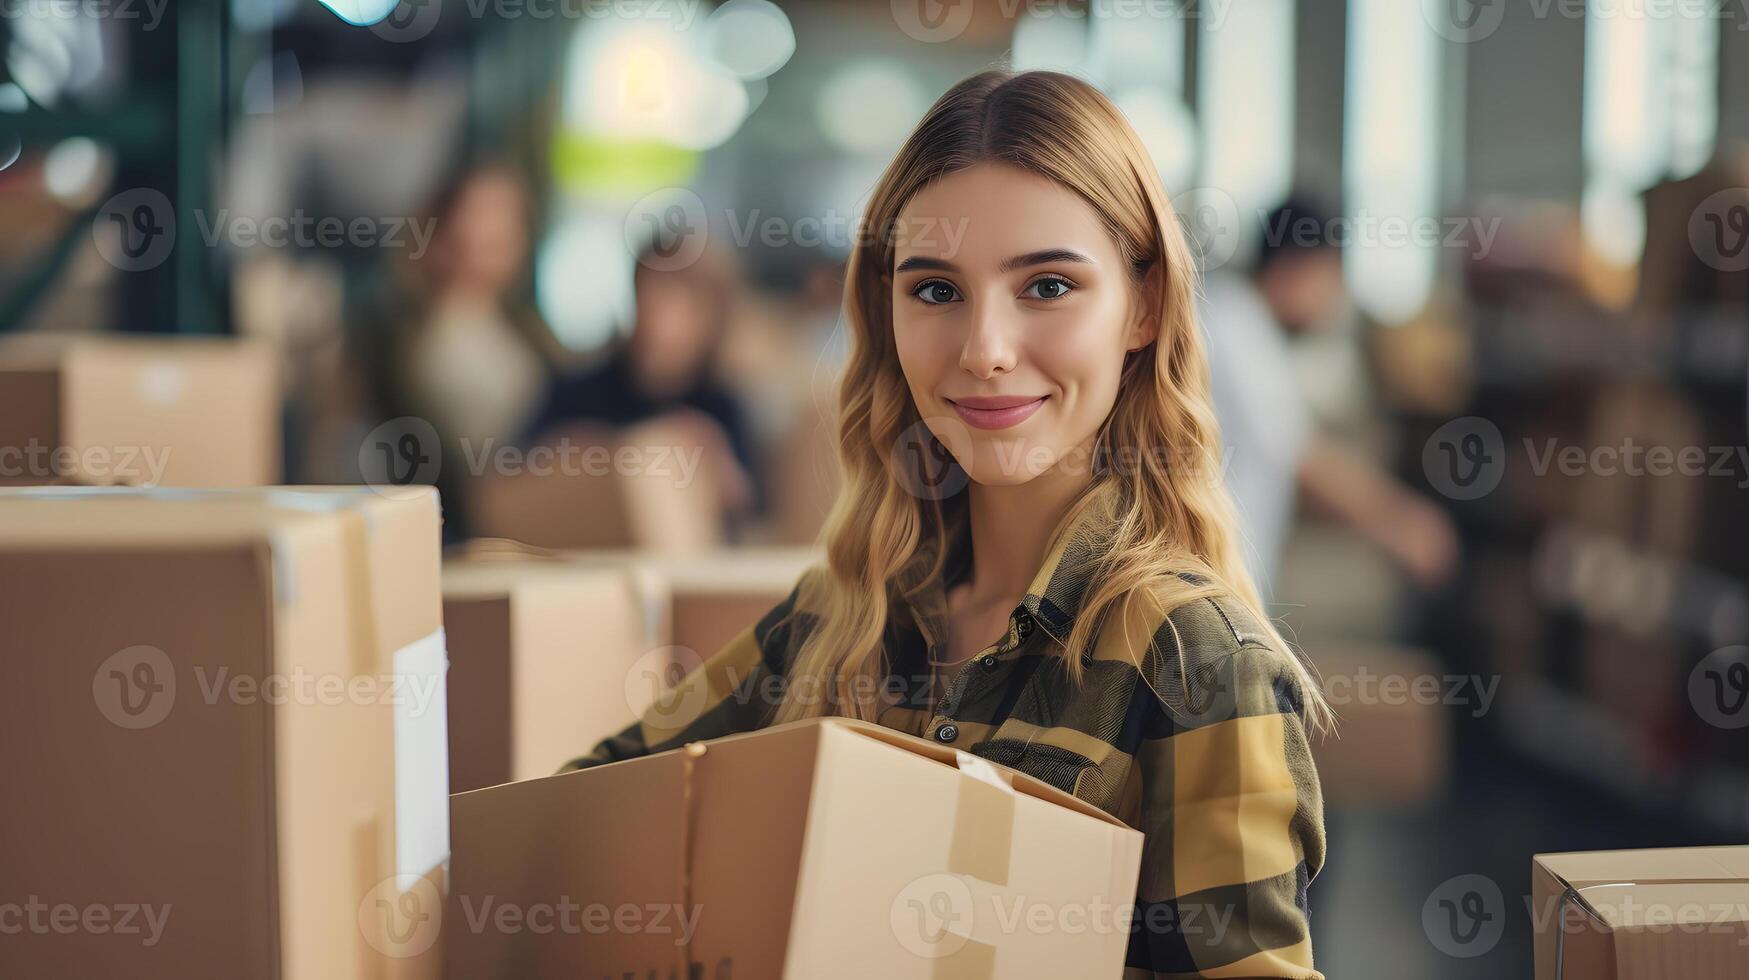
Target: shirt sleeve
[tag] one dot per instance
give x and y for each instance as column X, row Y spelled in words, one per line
column 736, row 690
column 1232, row 816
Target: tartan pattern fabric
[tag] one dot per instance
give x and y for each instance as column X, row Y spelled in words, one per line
column 1186, row 726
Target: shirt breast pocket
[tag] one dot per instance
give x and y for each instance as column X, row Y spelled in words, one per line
column 1053, row 764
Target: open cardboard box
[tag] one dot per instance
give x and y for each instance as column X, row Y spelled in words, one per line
column 820, row 848
column 1661, row 914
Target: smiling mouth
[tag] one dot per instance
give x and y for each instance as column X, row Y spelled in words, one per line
column 999, row 412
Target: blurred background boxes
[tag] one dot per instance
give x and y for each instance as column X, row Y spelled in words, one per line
column 546, row 659
column 700, row 600
column 228, row 705
column 1392, row 745
column 135, row 411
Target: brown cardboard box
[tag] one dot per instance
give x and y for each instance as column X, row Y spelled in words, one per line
column 822, row 848
column 227, row 707
column 700, row 600
column 649, row 486
column 1678, row 913
column 105, row 410
column 544, row 657
column 1392, row 743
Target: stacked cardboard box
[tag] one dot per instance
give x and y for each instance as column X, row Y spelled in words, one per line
column 649, row 486
column 700, row 600
column 138, row 412
column 1661, row 914
column 824, row 848
column 546, row 659
column 224, row 719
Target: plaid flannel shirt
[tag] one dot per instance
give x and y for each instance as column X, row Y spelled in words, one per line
column 1212, row 764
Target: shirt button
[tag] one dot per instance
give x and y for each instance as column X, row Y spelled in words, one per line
column 987, row 662
column 947, row 733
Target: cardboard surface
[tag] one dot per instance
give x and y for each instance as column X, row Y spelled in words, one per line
column 1659, row 914
column 131, row 411
column 818, row 848
column 224, row 705
column 544, row 657
column 701, row 600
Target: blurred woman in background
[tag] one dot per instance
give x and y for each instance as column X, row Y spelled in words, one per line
column 463, row 348
column 667, row 367
column 1033, row 556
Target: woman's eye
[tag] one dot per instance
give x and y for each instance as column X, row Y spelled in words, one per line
column 1048, row 288
column 935, row 292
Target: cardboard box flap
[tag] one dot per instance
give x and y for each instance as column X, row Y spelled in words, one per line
column 1021, row 782
column 1586, row 869
column 1667, row 904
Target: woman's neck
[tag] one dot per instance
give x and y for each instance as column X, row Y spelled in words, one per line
column 1011, row 527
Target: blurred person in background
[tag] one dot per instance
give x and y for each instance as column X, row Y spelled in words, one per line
column 667, row 367
column 1276, row 453
column 463, row 348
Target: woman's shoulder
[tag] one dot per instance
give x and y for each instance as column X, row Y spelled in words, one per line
column 1197, row 637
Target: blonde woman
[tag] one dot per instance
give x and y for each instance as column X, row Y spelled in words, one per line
column 1033, row 557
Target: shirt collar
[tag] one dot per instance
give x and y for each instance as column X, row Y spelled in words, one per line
column 1053, row 599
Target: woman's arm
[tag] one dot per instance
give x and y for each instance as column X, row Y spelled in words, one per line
column 736, row 690
column 1231, row 809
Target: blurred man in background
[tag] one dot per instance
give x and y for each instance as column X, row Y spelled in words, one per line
column 1275, row 450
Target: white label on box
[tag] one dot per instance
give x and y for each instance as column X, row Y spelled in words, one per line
column 161, row 382
column 421, row 756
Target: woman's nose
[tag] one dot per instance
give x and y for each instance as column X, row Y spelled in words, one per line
column 990, row 348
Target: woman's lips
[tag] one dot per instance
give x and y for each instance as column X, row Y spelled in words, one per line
column 997, row 412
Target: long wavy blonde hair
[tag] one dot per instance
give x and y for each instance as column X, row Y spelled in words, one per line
column 1168, row 520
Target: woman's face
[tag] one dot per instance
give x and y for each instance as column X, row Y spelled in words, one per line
column 1012, row 312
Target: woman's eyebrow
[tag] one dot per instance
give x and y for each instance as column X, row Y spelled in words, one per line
column 922, row 262
column 1043, row 256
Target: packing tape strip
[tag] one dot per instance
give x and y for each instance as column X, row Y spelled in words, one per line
column 690, row 753
column 982, row 847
